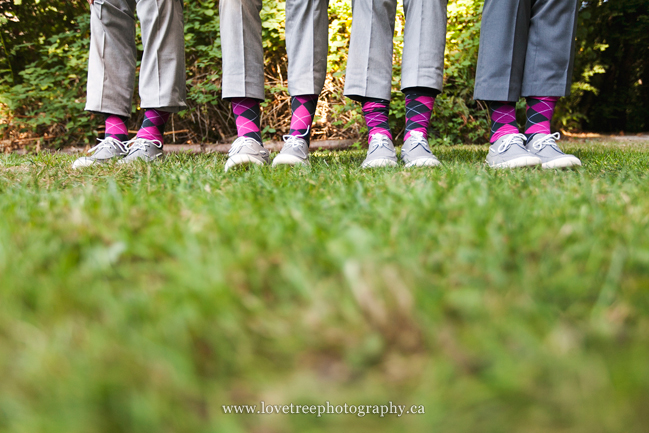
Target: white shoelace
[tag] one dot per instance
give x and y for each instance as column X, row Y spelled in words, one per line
column 378, row 141
column 110, row 143
column 419, row 141
column 292, row 140
column 511, row 139
column 241, row 142
column 550, row 140
column 141, row 144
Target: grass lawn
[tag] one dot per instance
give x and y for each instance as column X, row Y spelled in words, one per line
column 143, row 299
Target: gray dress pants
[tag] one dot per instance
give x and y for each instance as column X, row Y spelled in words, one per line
column 527, row 48
column 111, row 66
column 307, row 26
column 369, row 67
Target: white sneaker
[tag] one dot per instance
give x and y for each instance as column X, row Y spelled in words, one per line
column 141, row 149
column 509, row 152
column 381, row 152
column 244, row 151
column 107, row 150
column 545, row 147
column 294, row 152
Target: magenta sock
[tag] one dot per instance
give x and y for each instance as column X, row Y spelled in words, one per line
column 247, row 112
column 503, row 119
column 540, row 110
column 303, row 108
column 376, row 112
column 153, row 127
column 419, row 109
column 116, row 127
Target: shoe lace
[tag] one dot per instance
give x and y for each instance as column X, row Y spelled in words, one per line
column 141, row 144
column 549, row 140
column 292, row 140
column 110, row 143
column 240, row 143
column 419, row 140
column 378, row 141
column 509, row 140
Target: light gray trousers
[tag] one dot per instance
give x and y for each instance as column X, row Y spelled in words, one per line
column 369, row 67
column 307, row 26
column 527, row 48
column 111, row 67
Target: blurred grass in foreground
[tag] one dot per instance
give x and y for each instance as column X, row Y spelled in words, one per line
column 142, row 299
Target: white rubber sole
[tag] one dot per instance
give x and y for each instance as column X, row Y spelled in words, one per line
column 288, row 160
column 83, row 162
column 564, row 162
column 377, row 163
column 523, row 161
column 423, row 162
column 236, row 160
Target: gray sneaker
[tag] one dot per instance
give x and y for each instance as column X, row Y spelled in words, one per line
column 108, row 149
column 416, row 152
column 143, row 150
column 545, row 147
column 246, row 150
column 509, row 152
column 294, row 152
column 381, row 153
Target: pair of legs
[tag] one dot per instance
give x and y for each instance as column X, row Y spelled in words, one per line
column 111, row 73
column 369, row 73
column 526, row 49
column 243, row 74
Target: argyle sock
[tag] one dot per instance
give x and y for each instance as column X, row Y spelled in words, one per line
column 303, row 108
column 419, row 109
column 153, row 126
column 116, row 127
column 540, row 110
column 503, row 119
column 247, row 113
column 376, row 112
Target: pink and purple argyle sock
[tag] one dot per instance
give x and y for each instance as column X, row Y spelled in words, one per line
column 540, row 110
column 153, row 126
column 247, row 113
column 116, row 127
column 503, row 119
column 419, row 109
column 377, row 112
column 303, row 108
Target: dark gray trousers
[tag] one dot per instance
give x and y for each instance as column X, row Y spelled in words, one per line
column 369, row 67
column 112, row 60
column 527, row 48
column 307, row 26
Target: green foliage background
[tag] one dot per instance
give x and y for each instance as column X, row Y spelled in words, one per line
column 44, row 56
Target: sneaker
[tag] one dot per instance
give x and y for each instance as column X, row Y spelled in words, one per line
column 416, row 152
column 246, row 150
column 294, row 152
column 381, row 153
column 144, row 150
column 108, row 149
column 545, row 147
column 509, row 151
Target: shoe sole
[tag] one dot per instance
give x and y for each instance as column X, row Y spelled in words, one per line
column 423, row 162
column 377, row 163
column 241, row 160
column 84, row 162
column 565, row 162
column 125, row 161
column 523, row 161
column 289, row 160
